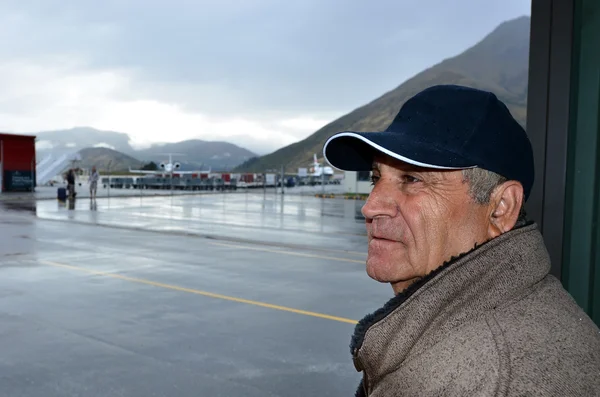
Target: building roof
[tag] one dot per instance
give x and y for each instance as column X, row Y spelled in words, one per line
column 5, row 135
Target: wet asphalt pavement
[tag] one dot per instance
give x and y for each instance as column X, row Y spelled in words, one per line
column 214, row 295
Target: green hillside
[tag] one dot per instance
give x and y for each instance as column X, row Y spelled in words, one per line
column 498, row 63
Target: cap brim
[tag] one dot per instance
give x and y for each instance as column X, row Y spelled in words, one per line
column 355, row 151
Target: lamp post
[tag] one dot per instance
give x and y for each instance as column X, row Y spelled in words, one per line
column 108, row 174
column 282, row 178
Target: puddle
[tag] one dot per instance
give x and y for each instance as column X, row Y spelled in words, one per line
column 19, row 206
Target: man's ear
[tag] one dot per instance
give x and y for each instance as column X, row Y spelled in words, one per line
column 505, row 205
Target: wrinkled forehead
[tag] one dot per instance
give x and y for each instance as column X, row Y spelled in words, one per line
column 388, row 166
column 383, row 162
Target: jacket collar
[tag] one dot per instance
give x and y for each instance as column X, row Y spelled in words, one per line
column 490, row 273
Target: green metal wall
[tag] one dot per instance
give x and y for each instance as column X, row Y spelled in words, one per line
column 581, row 249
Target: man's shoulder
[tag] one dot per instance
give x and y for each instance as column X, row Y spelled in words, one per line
column 551, row 342
column 540, row 341
column 546, row 310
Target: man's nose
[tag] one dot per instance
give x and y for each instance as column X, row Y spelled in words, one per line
column 380, row 203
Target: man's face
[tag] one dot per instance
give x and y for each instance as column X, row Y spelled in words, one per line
column 418, row 218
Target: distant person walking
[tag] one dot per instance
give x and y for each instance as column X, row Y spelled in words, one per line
column 71, row 183
column 94, row 176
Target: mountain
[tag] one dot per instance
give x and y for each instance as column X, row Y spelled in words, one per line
column 498, row 63
column 199, row 154
column 101, row 157
column 196, row 153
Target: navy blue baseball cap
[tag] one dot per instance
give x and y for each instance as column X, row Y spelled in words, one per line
column 443, row 127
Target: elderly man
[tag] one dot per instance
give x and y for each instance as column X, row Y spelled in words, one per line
column 475, row 310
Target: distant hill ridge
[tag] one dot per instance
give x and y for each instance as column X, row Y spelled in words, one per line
column 498, row 63
column 103, row 158
column 192, row 154
column 200, row 153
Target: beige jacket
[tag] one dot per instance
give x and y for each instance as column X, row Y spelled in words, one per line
column 492, row 322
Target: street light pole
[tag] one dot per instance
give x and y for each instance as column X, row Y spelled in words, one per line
column 282, row 178
column 108, row 172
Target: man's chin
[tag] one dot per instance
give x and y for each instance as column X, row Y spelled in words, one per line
column 384, row 274
column 379, row 273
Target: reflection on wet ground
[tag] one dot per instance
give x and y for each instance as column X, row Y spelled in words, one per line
column 82, row 190
column 20, row 206
column 306, row 221
column 121, row 296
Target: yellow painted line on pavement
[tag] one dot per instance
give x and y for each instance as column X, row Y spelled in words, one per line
column 198, row 292
column 331, row 258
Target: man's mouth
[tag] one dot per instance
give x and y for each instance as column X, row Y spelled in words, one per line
column 382, row 238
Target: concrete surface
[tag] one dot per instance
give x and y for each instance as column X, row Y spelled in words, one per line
column 91, row 304
column 83, row 191
column 294, row 220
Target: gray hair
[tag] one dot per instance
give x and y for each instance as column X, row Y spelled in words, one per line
column 481, row 185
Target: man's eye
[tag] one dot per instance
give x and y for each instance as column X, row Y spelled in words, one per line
column 374, row 179
column 410, row 179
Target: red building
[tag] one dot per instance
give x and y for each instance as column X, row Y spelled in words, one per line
column 17, row 162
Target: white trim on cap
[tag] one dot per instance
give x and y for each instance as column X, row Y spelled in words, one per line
column 386, row 151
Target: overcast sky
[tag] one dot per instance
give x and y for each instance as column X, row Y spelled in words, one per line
column 259, row 73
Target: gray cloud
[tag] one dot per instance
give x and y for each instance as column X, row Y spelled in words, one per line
column 259, row 59
column 311, row 55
